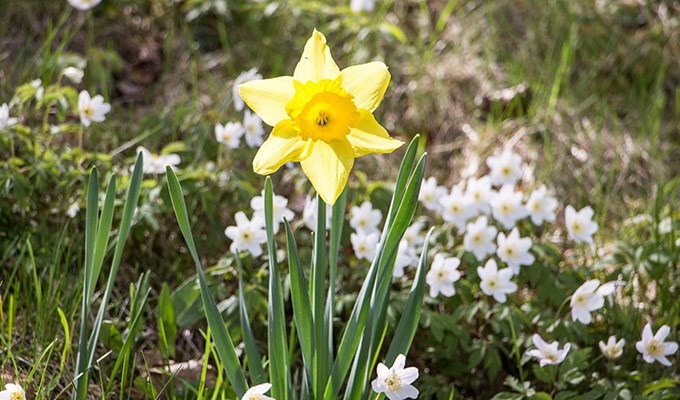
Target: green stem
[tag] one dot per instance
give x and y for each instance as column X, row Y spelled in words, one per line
column 516, row 345
column 318, row 299
column 81, row 132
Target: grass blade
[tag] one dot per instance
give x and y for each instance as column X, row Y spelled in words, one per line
column 223, row 343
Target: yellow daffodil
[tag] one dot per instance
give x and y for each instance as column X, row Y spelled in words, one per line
column 321, row 117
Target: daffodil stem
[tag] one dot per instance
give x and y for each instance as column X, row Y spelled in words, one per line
column 318, row 282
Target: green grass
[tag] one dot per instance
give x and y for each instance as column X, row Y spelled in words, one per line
column 602, row 128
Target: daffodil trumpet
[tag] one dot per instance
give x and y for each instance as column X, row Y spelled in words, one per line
column 322, row 117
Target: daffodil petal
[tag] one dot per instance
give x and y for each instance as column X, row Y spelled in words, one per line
column 316, row 62
column 283, row 145
column 268, row 97
column 367, row 83
column 328, row 167
column 370, row 137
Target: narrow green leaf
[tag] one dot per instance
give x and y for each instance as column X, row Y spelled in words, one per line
column 279, row 372
column 352, row 336
column 166, row 322
column 103, row 232
column 402, row 178
column 408, row 324
column 374, row 331
column 254, row 360
column 302, row 309
column 128, row 212
column 223, row 343
column 91, row 217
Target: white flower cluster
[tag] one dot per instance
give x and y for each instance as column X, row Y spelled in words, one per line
column 470, row 207
column 486, row 211
column 249, row 234
column 230, row 133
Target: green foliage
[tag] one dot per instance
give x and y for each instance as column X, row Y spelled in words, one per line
column 600, row 127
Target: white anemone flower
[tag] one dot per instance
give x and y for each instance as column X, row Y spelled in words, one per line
column 548, row 353
column 430, row 193
column 229, row 134
column 495, row 282
column 653, row 346
column 396, row 382
column 456, row 208
column 73, row 74
column 73, row 210
column 541, row 206
column 506, row 168
column 580, row 225
column 442, row 275
column 39, row 89
column 514, row 250
column 365, row 245
column 279, row 209
column 479, row 238
column 257, row 392
column 155, row 164
column 479, row 192
column 412, row 235
column 247, row 235
column 92, row 109
column 507, row 207
column 310, row 211
column 5, row 120
column 613, row 349
column 365, row 218
column 362, row 5
column 245, row 76
column 406, row 257
column 589, row 297
column 13, row 392
column 253, row 129
column 84, row 5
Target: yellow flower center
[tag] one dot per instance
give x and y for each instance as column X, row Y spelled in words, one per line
column 393, row 382
column 322, row 110
column 654, row 348
column 506, row 171
column 492, row 283
column 509, row 252
column 17, row 396
column 88, row 111
column 580, row 300
column 576, row 227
